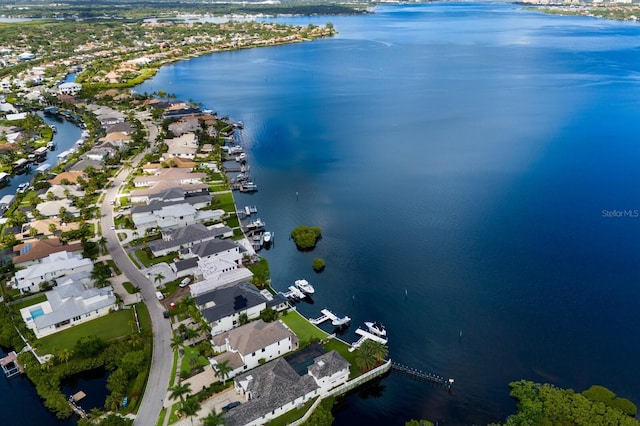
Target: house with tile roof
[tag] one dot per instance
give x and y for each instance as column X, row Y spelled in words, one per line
column 29, row 253
column 71, row 177
column 253, row 344
column 143, row 195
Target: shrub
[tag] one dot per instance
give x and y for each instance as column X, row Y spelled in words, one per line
column 318, row 264
column 306, row 237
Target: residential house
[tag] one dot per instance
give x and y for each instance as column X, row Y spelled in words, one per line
column 118, row 139
column 174, row 216
column 123, row 127
column 222, row 307
column 180, row 238
column 144, row 195
column 70, row 89
column 43, row 228
column 71, row 177
column 270, row 390
column 50, row 209
column 224, row 278
column 275, row 388
column 183, row 146
column 179, row 176
column 329, row 371
column 184, row 125
column 50, row 268
column 254, row 344
column 70, row 303
column 29, row 253
column 177, row 162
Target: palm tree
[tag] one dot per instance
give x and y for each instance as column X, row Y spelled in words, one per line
column 103, row 244
column 135, row 340
column 157, row 278
column 112, row 402
column 176, row 342
column 213, row 419
column 180, row 390
column 366, row 355
column 222, row 370
column 190, row 408
column 64, row 355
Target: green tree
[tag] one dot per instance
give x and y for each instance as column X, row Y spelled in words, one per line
column 157, row 278
column 88, row 346
column 65, row 355
column 243, row 319
column 318, row 264
column 222, row 370
column 190, row 408
column 213, row 419
column 369, row 354
column 180, row 390
column 306, row 237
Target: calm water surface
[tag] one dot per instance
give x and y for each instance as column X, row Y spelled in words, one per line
column 463, row 153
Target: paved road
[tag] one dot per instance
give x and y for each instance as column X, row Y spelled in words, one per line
column 162, row 358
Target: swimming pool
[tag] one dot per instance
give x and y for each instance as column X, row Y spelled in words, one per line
column 36, row 312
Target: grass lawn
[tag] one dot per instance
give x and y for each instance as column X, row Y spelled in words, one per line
column 114, row 267
column 109, row 327
column 301, row 327
column 225, row 202
column 31, row 301
column 291, row 416
column 148, row 260
column 189, row 353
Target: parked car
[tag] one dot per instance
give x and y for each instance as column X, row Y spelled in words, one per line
column 165, row 314
column 230, row 405
column 185, row 282
column 159, row 295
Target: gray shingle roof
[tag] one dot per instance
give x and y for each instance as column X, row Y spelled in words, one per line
column 272, row 385
column 208, row 248
column 230, row 300
column 157, row 205
column 183, row 265
column 185, row 235
column 328, row 364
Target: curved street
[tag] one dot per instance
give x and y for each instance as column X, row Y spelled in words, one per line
column 162, row 357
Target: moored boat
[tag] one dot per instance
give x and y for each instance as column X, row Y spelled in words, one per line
column 304, row 286
column 266, row 237
column 376, row 328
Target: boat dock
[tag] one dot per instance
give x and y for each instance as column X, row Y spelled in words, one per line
column 294, row 293
column 73, row 403
column 328, row 315
column 433, row 378
column 364, row 335
column 10, row 364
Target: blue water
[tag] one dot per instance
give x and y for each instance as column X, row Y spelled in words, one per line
column 463, row 153
column 37, row 312
column 66, row 136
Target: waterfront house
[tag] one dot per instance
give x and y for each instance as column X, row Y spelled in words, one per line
column 183, row 146
column 223, row 278
column 73, row 301
column 70, row 177
column 177, row 162
column 184, row 125
column 50, row 268
column 222, row 307
column 43, row 228
column 270, row 391
column 173, row 216
column 253, row 344
column 70, row 89
column 178, row 176
column 49, row 209
column 276, row 387
column 144, row 195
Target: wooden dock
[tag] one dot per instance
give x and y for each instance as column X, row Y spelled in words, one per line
column 73, row 403
column 10, row 364
column 430, row 377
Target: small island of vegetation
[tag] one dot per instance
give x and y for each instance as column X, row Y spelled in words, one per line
column 318, row 264
column 306, row 237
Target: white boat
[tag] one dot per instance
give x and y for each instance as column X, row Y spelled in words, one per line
column 376, row 328
column 241, row 157
column 305, row 286
column 339, row 322
column 266, row 237
column 23, row 187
